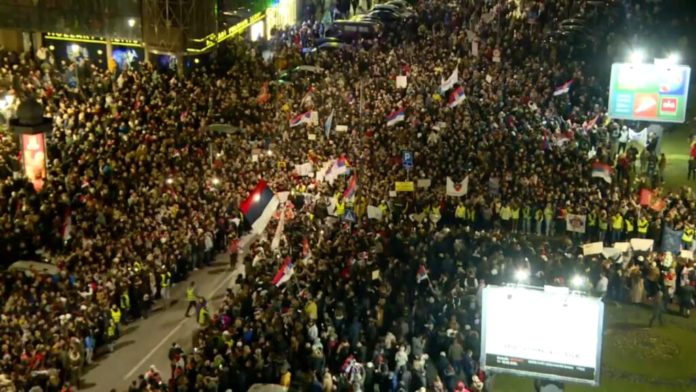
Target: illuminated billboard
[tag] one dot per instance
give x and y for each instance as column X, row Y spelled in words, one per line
column 649, row 92
column 549, row 334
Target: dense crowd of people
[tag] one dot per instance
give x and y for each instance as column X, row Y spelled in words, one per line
column 140, row 191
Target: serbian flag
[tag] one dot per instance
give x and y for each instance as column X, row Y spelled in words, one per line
column 587, row 125
column 422, row 274
column 300, row 119
column 396, row 117
column 351, row 188
column 446, row 84
column 456, row 97
column 284, row 273
column 602, row 170
column 563, row 89
column 259, row 207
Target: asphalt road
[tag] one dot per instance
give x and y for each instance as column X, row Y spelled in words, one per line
column 147, row 342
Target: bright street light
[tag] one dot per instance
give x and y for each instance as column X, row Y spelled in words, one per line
column 521, row 275
column 131, row 22
column 637, row 56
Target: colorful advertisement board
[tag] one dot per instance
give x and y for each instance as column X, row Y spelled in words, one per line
column 34, row 159
column 649, row 92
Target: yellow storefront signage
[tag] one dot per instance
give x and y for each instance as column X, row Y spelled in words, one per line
column 92, row 39
column 211, row 40
column 404, row 186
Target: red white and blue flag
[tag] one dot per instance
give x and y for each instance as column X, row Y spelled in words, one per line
column 284, row 273
column 422, row 274
column 563, row 89
column 456, row 97
column 602, row 170
column 349, row 193
column 396, row 117
column 300, row 119
column 259, row 207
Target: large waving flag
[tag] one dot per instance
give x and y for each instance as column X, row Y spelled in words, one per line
column 587, row 125
column 300, row 119
column 446, row 84
column 259, row 207
column 284, row 273
column 563, row 89
column 456, row 97
column 602, row 170
column 349, row 193
column 396, row 117
column 638, row 137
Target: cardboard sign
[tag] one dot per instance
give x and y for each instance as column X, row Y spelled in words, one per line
column 375, row 275
column 593, row 248
column 374, row 212
column 312, row 136
column 687, row 254
column 404, row 186
column 423, row 183
column 489, row 78
column 341, row 128
column 401, row 81
column 622, row 246
column 641, row 244
column 392, row 193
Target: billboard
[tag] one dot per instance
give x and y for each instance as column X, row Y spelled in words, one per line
column 649, row 92
column 549, row 334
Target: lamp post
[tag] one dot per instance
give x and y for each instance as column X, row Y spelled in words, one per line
column 31, row 127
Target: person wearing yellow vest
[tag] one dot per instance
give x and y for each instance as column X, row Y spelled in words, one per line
column 548, row 219
column 539, row 220
column 125, row 305
column 506, row 217
column 385, row 211
column 116, row 317
column 515, row 210
column 603, row 225
column 526, row 219
column 688, row 236
column 340, row 207
column 203, row 316
column 460, row 213
column 630, row 228
column 165, row 283
column 111, row 335
column 471, row 215
column 591, row 224
column 617, row 225
column 643, row 225
column 435, row 214
column 191, row 297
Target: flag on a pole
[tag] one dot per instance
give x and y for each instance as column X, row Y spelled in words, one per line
column 349, row 193
column 284, row 273
column 457, row 189
column 396, row 117
column 304, row 118
column 259, row 207
column 456, row 97
column 602, row 170
column 327, row 124
column 563, row 89
column 446, row 84
column 638, row 137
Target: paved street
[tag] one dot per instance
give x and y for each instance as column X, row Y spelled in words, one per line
column 146, row 342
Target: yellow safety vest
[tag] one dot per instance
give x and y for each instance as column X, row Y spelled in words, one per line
column 688, row 235
column 643, row 225
column 165, row 280
column 592, row 219
column 516, row 213
column 383, row 208
column 527, row 213
column 116, row 315
column 203, row 317
column 629, row 226
column 111, row 330
column 539, row 215
column 340, row 208
column 603, row 224
column 472, row 214
column 505, row 213
column 125, row 301
column 190, row 294
column 460, row 212
column 617, row 222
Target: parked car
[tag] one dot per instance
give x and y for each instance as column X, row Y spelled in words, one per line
column 387, row 16
column 352, row 30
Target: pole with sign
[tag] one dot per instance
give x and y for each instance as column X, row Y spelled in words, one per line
column 407, row 161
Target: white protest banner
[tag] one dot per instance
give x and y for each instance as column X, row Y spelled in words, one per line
column 304, row 170
column 611, row 253
column 401, row 81
column 312, row 136
column 314, row 118
column 374, row 212
column 641, row 244
column 392, row 193
column 622, row 246
column 423, row 183
column 576, row 223
column 341, row 128
column 687, row 254
column 593, row 248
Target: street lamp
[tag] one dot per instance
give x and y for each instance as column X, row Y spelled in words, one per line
column 131, row 22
